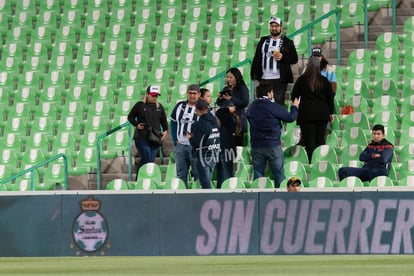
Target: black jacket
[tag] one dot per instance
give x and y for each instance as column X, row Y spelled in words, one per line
column 290, row 56
column 156, row 118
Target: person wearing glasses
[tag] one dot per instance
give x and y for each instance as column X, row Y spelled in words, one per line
column 144, row 115
column 183, row 117
column 275, row 53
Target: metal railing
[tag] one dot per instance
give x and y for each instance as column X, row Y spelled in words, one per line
column 98, row 152
column 41, row 164
column 309, row 26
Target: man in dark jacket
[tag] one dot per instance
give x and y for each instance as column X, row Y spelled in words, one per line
column 205, row 141
column 274, row 55
column 265, row 118
column 377, row 157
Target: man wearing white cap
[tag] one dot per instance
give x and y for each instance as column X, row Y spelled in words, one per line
column 275, row 53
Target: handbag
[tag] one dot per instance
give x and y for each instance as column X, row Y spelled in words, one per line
column 152, row 137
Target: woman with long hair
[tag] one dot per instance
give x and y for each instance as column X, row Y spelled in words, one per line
column 146, row 116
column 232, row 100
column 316, row 105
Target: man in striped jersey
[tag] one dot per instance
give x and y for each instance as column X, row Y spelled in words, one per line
column 275, row 53
column 182, row 118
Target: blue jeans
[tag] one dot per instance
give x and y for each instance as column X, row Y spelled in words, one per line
column 183, row 160
column 205, row 167
column 273, row 156
column 365, row 174
column 147, row 152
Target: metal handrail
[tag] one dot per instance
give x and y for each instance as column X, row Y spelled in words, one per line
column 308, row 27
column 38, row 165
column 98, row 151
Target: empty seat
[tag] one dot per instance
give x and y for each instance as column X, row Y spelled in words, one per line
column 321, row 182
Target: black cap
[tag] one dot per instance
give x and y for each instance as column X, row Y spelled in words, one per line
column 317, row 52
column 293, row 180
column 201, row 104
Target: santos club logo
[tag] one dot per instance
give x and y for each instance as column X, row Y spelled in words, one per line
column 90, row 229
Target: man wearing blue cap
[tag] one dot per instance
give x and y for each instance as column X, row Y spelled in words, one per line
column 275, row 53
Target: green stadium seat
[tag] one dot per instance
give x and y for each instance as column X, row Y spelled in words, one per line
column 360, row 56
column 5, row 172
column 150, row 171
column 32, row 156
column 42, row 125
column 271, row 8
column 298, row 9
column 385, row 103
column 408, row 26
column 233, row 183
column 291, row 137
column 406, row 169
column 386, row 118
column 116, row 144
column 171, row 14
column 354, row 135
column 219, row 28
column 386, row 87
column 13, row 141
column 247, row 11
column 352, row 13
column 295, row 168
column 386, row 71
column 147, row 184
column 320, row 182
column 332, row 139
column 117, row 185
column 245, row 27
column 97, row 17
column 64, row 142
column 301, row 44
column 407, row 134
column 358, row 87
column 350, row 152
column 16, row 125
column 85, row 161
column 387, row 55
column 406, row 181
column 193, row 30
column 323, row 168
column 359, row 71
column 324, row 30
column 262, row 183
column 296, row 153
column 67, row 33
column 324, row 153
column 374, row 5
column 358, row 102
column 11, row 65
column 14, row 50
column 54, row 175
column 357, row 119
column 351, row 182
column 144, row 31
column 71, row 124
column 387, row 39
column 406, row 152
column 9, row 158
column 174, row 184
column 381, row 181
column 20, row 110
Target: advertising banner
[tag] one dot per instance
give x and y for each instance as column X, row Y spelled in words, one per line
column 265, row 223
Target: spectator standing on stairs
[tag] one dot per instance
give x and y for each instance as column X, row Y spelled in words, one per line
column 183, row 117
column 275, row 53
column 144, row 115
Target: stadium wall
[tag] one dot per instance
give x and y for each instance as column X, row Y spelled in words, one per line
column 207, row 223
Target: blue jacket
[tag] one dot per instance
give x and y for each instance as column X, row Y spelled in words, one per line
column 206, row 135
column 385, row 148
column 265, row 119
